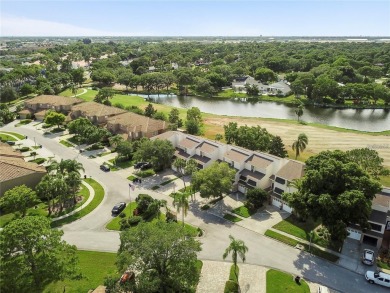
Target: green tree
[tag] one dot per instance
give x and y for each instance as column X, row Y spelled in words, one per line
column 149, row 110
column 125, row 149
column 194, row 120
column 158, row 152
column 336, row 191
column 277, row 147
column 174, row 118
column 164, row 259
column 214, row 181
column 104, row 95
column 255, row 198
column 252, row 90
column 54, row 118
column 8, row 94
column 300, row 144
column 6, row 115
column 265, row 75
column 18, row 199
column 231, row 132
column 33, row 255
column 299, row 111
column 77, row 75
column 238, row 249
column 369, row 160
column 218, row 137
column 26, row 89
column 180, row 201
column 115, row 140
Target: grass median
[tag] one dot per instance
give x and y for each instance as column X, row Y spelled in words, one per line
column 98, row 197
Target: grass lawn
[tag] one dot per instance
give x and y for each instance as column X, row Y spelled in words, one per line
column 103, row 154
column 293, row 226
column 114, row 223
column 20, row 136
column 232, row 218
column 243, row 212
column 131, row 177
column 99, row 195
column 385, row 180
column 289, row 241
column 68, row 92
column 94, row 267
column 23, row 122
column 145, row 173
column 121, row 164
column 6, row 137
column 66, row 143
column 282, row 282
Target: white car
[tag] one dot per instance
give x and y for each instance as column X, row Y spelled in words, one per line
column 378, row 278
column 368, row 257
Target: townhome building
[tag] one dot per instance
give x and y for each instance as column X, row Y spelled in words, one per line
column 97, row 113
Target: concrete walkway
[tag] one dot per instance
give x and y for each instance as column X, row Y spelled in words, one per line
column 213, row 276
column 90, row 198
column 252, row 279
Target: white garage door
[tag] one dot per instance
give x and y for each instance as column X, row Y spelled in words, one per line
column 287, row 208
column 242, row 188
column 354, row 234
column 276, row 202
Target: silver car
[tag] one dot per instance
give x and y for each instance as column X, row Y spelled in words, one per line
column 368, row 257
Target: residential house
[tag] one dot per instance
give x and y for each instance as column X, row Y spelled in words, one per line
column 281, row 88
column 97, row 113
column 15, row 171
column 133, row 126
column 379, row 232
column 38, row 106
column 206, row 153
column 282, row 182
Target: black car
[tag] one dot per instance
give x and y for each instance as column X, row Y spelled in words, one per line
column 10, row 142
column 146, row 166
column 140, row 164
column 104, row 168
column 118, row 208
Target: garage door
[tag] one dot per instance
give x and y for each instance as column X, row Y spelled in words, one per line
column 242, row 188
column 287, row 208
column 354, row 234
column 276, row 202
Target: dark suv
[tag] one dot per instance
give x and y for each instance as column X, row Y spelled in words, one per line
column 140, row 164
column 104, row 168
column 146, row 166
column 118, row 208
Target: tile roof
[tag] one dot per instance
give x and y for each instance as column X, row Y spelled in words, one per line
column 188, row 143
column 207, row 148
column 96, row 109
column 14, row 166
column 236, row 156
column 292, row 170
column 259, row 161
column 54, row 100
column 200, row 159
column 135, row 123
column 26, row 111
column 165, row 135
column 7, row 151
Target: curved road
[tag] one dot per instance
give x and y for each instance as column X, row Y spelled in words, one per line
column 89, row 233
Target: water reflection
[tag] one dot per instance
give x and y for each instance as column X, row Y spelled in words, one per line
column 359, row 119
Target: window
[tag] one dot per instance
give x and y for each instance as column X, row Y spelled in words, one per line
column 375, row 227
column 280, row 180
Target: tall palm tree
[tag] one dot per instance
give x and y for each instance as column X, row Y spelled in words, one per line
column 180, row 166
column 236, row 248
column 299, row 111
column 73, row 180
column 181, row 203
column 300, row 144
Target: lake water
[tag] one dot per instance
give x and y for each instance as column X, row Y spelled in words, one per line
column 373, row 120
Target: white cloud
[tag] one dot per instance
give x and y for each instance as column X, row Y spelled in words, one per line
column 20, row 26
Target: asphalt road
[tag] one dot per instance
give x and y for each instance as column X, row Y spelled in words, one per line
column 89, row 233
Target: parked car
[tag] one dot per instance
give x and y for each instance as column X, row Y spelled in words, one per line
column 379, row 278
column 10, row 142
column 118, row 208
column 104, row 168
column 139, row 165
column 368, row 257
column 146, row 166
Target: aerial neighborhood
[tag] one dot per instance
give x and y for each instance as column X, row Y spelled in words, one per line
column 191, row 164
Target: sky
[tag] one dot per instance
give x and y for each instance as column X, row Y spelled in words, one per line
column 194, row 18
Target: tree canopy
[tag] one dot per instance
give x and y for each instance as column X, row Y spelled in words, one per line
column 158, row 152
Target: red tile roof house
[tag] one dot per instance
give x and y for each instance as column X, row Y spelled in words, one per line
column 39, row 105
column 97, row 113
column 15, row 171
column 133, row 126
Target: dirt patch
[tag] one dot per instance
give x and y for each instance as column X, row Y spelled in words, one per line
column 319, row 139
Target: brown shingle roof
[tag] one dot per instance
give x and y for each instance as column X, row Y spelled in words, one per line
column 236, row 156
column 54, row 100
column 96, row 109
column 26, row 111
column 165, row 135
column 292, row 170
column 12, row 167
column 207, row 148
column 8, row 151
column 259, row 161
column 189, row 143
column 134, row 122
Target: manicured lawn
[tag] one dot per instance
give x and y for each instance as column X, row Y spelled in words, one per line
column 232, row 218
column 131, row 177
column 114, row 223
column 146, row 173
column 6, row 137
column 289, row 241
column 103, row 154
column 294, row 226
column 20, row 136
column 99, row 195
column 68, row 92
column 94, row 267
column 23, row 122
column 385, row 180
column 243, row 212
column 66, row 143
column 282, row 282
column 121, row 164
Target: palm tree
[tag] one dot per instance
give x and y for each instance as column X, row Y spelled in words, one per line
column 180, row 166
column 300, row 144
column 237, row 248
column 181, row 203
column 299, row 111
column 115, row 140
column 73, row 180
column 190, row 169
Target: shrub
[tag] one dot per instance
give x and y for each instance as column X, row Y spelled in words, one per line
column 95, row 146
column 146, row 173
column 205, row 207
column 231, row 287
column 255, row 198
column 39, row 161
column 152, row 211
column 46, row 125
column 134, row 220
column 24, row 149
column 200, row 232
column 171, row 216
column 124, row 224
column 143, row 202
column 122, row 215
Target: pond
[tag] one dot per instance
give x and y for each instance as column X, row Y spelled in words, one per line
column 373, row 120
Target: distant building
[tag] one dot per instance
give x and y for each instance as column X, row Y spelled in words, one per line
column 94, row 112
column 280, row 88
